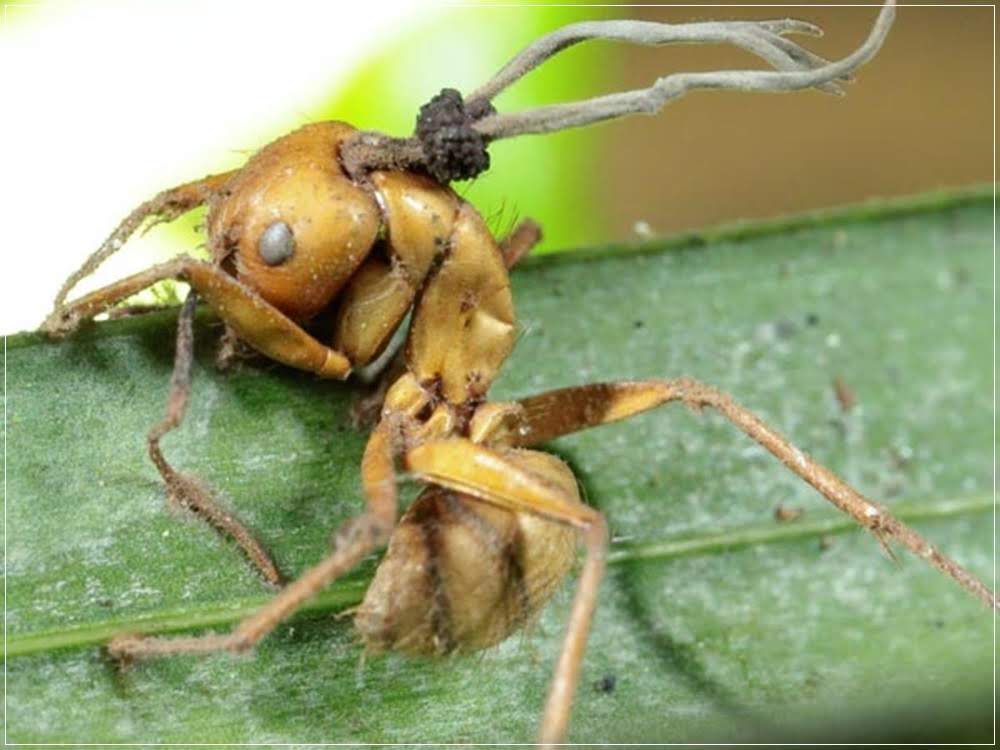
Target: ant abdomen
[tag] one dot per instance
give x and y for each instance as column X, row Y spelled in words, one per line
column 462, row 574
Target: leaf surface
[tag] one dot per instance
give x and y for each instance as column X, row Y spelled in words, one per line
column 715, row 622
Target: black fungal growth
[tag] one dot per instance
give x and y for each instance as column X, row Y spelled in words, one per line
column 454, row 150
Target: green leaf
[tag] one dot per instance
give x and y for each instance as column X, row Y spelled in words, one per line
column 716, row 622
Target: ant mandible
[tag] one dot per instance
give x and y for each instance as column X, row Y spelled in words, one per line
column 361, row 226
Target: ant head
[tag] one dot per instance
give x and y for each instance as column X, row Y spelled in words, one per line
column 297, row 227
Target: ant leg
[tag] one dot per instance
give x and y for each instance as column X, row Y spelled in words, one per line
column 231, row 351
column 164, row 207
column 355, row 539
column 228, row 351
column 253, row 319
column 130, row 311
column 504, row 478
column 520, row 241
column 560, row 412
column 183, row 489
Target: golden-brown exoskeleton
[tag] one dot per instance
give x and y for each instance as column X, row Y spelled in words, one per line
column 292, row 236
column 462, row 574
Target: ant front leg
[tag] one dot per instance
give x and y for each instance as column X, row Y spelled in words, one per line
column 561, row 412
column 183, row 489
column 355, row 539
column 164, row 207
column 253, row 319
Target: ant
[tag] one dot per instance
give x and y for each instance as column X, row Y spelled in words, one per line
column 335, row 235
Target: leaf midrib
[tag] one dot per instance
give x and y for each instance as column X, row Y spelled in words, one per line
column 345, row 594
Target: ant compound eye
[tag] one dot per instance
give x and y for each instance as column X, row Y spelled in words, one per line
column 276, row 244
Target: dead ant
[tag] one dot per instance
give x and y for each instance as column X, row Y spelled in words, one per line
column 360, row 228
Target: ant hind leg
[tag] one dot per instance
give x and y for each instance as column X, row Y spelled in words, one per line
column 520, row 242
column 567, row 410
